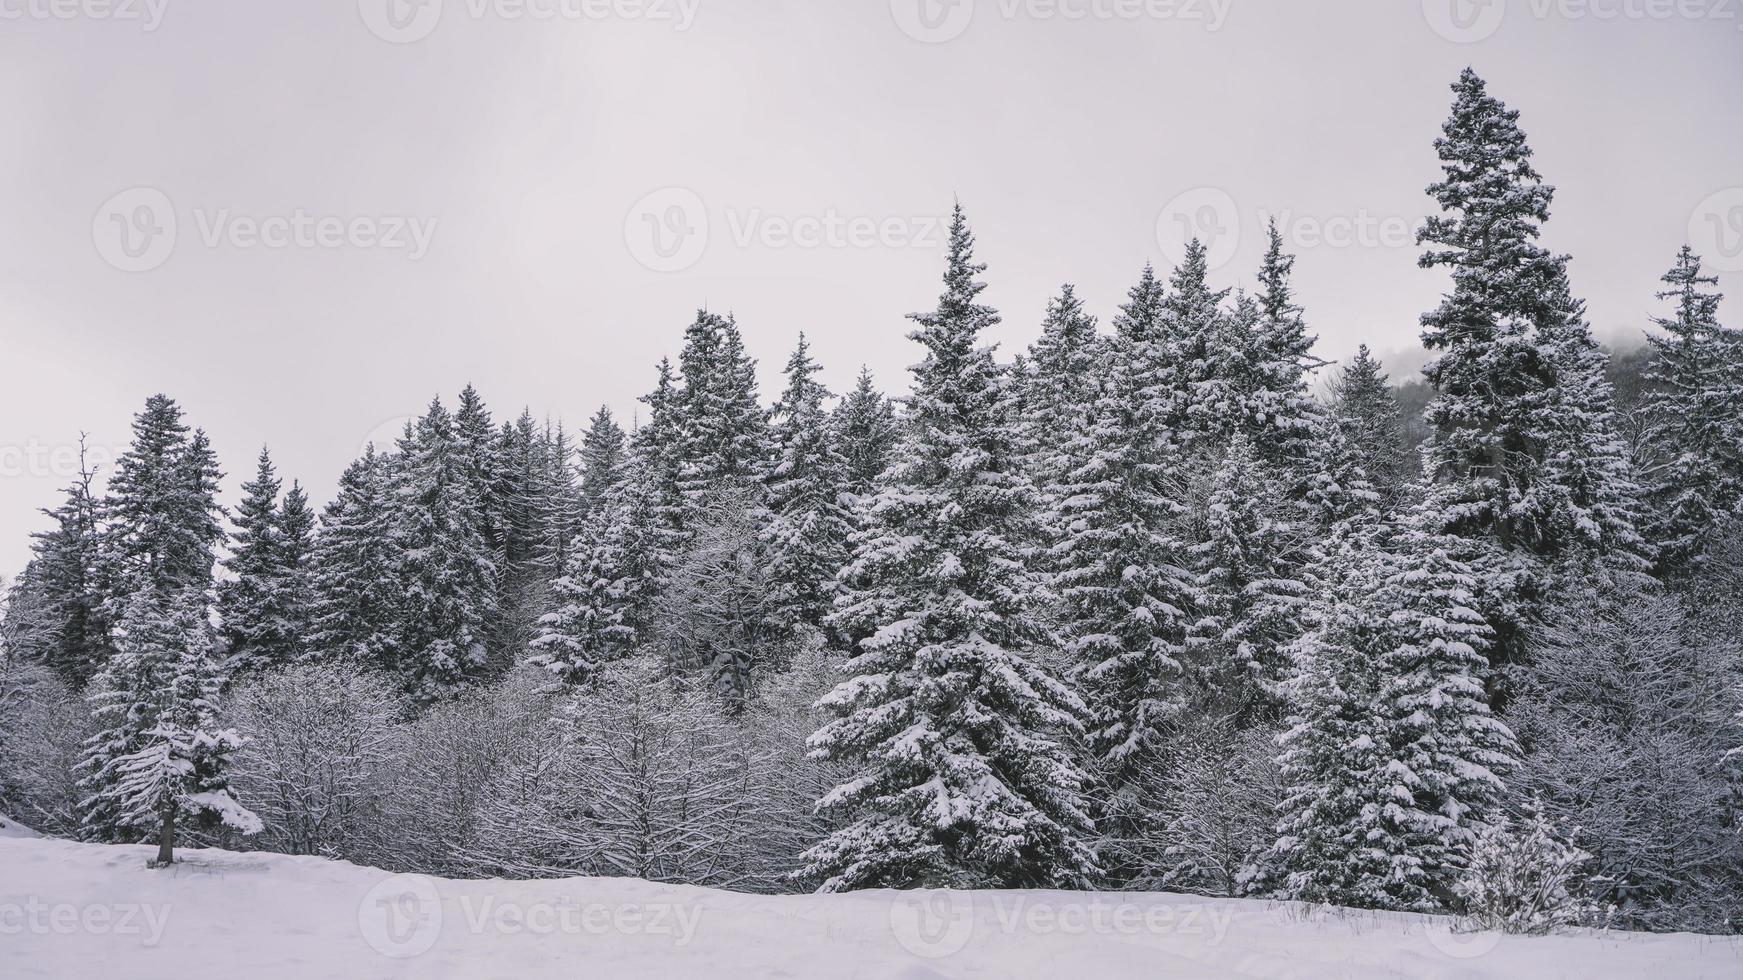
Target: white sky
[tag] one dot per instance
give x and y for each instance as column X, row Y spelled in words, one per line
column 530, row 144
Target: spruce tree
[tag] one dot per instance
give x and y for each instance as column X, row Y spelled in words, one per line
column 161, row 518
column 1695, row 412
column 159, row 759
column 721, row 429
column 1393, row 759
column 62, row 585
column 951, row 728
column 1523, row 450
column 1192, row 337
column 1366, row 412
column 866, row 429
column 445, row 566
column 1056, row 388
column 807, row 536
column 602, row 455
column 1121, row 565
column 1282, row 416
column 355, row 601
column 258, row 606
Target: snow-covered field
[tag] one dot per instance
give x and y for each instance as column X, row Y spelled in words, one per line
column 71, row 911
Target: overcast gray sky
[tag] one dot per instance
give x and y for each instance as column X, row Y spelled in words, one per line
column 302, row 220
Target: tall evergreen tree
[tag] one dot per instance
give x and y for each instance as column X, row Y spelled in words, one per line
column 1393, row 760
column 1367, row 413
column 602, row 456
column 61, row 586
column 258, row 606
column 1282, row 416
column 722, row 431
column 866, row 430
column 354, row 570
column 161, row 516
column 445, row 566
column 950, row 727
column 159, row 757
column 807, row 537
column 1056, row 388
column 1121, row 566
column 1524, row 451
column 1193, row 333
column 1695, row 411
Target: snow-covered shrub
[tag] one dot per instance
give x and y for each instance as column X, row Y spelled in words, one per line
column 1625, row 715
column 43, row 725
column 1523, row 879
column 317, row 759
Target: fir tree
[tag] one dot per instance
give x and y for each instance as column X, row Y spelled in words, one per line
column 602, row 456
column 161, row 517
column 866, row 430
column 1393, row 760
column 1121, row 566
column 1367, row 414
column 445, row 567
column 159, row 757
column 950, row 725
column 807, row 537
column 1282, row 416
column 1524, row 451
column 557, row 502
column 1056, row 388
column 1694, row 410
column 1192, row 338
column 354, row 570
column 62, row 586
column 722, row 432
column 258, row 606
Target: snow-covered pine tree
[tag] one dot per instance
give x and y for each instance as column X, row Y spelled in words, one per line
column 255, row 607
column 445, row 566
column 716, row 616
column 1393, row 759
column 1251, row 553
column 866, row 430
column 1121, row 565
column 558, row 504
column 1056, row 389
column 1366, row 411
column 598, row 606
column 722, row 430
column 807, row 538
column 161, row 519
column 159, row 758
column 603, row 447
column 952, row 729
column 1694, row 407
column 1524, row 451
column 1282, row 416
column 1192, row 338
column 296, row 526
column 61, row 586
column 355, row 599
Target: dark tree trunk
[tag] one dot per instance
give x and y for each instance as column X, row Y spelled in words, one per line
column 166, row 839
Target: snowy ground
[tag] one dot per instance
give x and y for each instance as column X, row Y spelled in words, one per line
column 72, row 911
